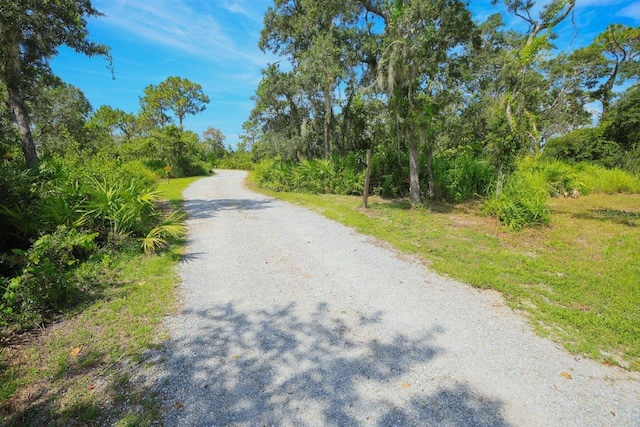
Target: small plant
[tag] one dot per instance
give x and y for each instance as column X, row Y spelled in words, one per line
column 171, row 229
column 46, row 283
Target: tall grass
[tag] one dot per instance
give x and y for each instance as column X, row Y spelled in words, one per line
column 587, row 178
column 462, row 178
column 523, row 201
column 597, row 179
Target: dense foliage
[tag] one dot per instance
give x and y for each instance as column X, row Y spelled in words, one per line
column 67, row 215
column 449, row 107
column 76, row 183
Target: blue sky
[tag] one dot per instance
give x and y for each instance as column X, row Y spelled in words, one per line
column 214, row 43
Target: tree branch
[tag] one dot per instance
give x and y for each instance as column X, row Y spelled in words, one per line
column 371, row 8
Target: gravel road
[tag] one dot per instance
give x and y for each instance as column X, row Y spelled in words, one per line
column 289, row 318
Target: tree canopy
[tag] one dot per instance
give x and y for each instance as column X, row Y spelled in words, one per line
column 180, row 96
column 31, row 32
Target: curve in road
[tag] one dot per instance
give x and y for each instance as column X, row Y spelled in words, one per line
column 289, row 318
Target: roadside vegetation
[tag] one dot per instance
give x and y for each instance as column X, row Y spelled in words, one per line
column 79, row 367
column 487, row 159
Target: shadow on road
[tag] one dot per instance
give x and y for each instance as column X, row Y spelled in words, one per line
column 202, row 209
column 268, row 367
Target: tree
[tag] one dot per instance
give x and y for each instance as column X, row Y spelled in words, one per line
column 315, row 35
column 31, row 32
column 213, row 140
column 120, row 125
column 59, row 117
column 177, row 95
column 281, row 110
column 414, row 66
column 622, row 124
column 250, row 135
column 612, row 58
column 520, row 82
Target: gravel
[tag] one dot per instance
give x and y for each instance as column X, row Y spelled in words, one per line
column 289, row 318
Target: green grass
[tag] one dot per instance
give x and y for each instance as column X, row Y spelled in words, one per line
column 172, row 191
column 44, row 382
column 578, row 280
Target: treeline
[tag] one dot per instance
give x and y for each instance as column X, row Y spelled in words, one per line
column 448, row 105
column 63, row 124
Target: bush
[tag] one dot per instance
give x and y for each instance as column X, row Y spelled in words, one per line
column 389, row 173
column 138, row 170
column 457, row 179
column 462, row 178
column 239, row 160
column 18, row 196
column 340, row 175
column 523, row 201
column 562, row 178
column 585, row 145
column 46, row 283
column 118, row 207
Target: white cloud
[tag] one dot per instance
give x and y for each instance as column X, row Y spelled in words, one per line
column 632, row 11
column 249, row 9
column 176, row 25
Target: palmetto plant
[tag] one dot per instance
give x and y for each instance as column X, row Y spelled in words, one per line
column 119, row 206
column 158, row 238
column 62, row 205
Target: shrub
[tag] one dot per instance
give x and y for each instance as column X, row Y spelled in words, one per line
column 340, row 175
column 46, row 283
column 239, row 160
column 462, row 178
column 523, row 201
column 137, row 169
column 18, row 196
column 389, row 173
column 561, row 177
column 117, row 207
column 585, row 145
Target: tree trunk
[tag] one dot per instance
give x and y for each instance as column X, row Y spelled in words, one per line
column 21, row 118
column 414, row 172
column 607, row 89
column 500, row 179
column 328, row 112
column 430, row 178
